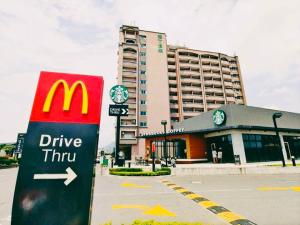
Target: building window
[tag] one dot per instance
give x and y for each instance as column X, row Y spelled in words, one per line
column 143, row 72
column 142, row 53
column 261, row 148
column 143, row 63
column 143, row 45
column 143, row 81
column 143, row 92
column 143, row 124
column 143, row 113
column 142, row 37
column 143, row 102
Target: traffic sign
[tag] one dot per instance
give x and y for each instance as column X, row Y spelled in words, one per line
column 118, row 110
column 119, row 94
column 20, row 143
column 55, row 178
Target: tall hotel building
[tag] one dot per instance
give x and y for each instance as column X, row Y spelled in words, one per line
column 172, row 83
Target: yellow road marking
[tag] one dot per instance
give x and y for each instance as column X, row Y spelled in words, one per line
column 182, row 190
column 227, row 216
column 156, row 210
column 132, row 185
column 273, row 188
column 192, row 196
column 159, row 211
column 230, row 216
column 208, row 204
column 295, row 188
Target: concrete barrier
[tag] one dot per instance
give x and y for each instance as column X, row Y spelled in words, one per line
column 235, row 170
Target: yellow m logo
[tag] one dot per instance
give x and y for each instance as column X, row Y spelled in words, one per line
column 68, row 94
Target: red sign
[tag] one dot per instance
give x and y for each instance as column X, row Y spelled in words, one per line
column 67, row 98
column 153, row 147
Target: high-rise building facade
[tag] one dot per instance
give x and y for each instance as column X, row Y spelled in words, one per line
column 170, row 83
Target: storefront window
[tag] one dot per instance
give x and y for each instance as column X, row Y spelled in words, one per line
column 220, row 143
column 261, row 148
column 292, row 146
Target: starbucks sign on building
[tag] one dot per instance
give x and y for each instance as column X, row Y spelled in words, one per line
column 219, row 117
column 119, row 94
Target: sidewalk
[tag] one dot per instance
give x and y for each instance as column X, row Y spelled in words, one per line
column 223, row 168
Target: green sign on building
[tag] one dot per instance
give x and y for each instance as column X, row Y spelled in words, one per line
column 119, row 94
column 219, row 117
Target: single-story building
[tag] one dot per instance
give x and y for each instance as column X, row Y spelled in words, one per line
column 237, row 131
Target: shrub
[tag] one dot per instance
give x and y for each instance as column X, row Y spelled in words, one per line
column 139, row 172
column 7, row 161
column 125, row 170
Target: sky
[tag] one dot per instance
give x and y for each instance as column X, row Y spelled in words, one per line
column 82, row 37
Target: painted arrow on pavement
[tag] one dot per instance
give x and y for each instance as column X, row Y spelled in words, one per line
column 69, row 176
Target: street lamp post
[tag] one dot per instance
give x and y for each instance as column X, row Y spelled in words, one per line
column 164, row 123
column 277, row 116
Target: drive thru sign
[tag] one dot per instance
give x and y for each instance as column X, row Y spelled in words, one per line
column 54, row 184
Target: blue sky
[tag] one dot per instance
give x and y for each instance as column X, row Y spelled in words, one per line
column 82, row 37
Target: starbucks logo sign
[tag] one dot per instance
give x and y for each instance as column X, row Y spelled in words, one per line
column 119, row 94
column 219, row 117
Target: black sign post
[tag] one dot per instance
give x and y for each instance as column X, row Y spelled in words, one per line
column 118, row 111
column 19, row 145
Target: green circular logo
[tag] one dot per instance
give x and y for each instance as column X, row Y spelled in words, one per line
column 119, row 94
column 219, row 117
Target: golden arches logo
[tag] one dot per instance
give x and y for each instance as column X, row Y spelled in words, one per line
column 68, row 94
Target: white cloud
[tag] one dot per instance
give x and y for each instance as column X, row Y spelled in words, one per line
column 82, row 37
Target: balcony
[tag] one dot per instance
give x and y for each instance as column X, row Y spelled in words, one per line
column 190, row 81
column 189, row 72
column 130, row 55
column 173, row 106
column 172, row 74
column 174, row 114
column 128, row 141
column 191, row 96
column 129, row 74
column 171, row 59
column 190, row 88
column 172, row 89
column 129, row 36
column 129, row 65
column 228, row 84
column 230, row 99
column 191, row 114
column 226, row 77
column 172, row 67
column 173, row 97
column 174, row 82
column 229, row 91
column 213, row 82
column 213, row 90
column 132, row 105
column 235, row 79
column 211, row 106
column 214, row 98
column 129, row 84
column 193, row 105
column 239, row 101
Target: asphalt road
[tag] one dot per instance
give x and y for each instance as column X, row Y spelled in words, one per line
column 262, row 199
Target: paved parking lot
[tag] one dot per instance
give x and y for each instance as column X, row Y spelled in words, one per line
column 262, row 199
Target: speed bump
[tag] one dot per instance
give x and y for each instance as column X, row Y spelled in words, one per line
column 220, row 211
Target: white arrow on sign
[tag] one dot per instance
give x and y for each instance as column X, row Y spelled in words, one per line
column 124, row 111
column 69, row 176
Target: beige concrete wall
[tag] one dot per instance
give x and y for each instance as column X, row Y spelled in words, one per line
column 158, row 107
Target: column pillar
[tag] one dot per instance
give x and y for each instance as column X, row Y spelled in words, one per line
column 238, row 146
